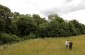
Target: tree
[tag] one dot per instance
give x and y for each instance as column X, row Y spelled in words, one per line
column 64, row 29
column 72, row 29
column 2, row 25
column 38, row 19
column 5, row 13
column 77, row 26
column 25, row 25
column 43, row 30
column 52, row 17
column 56, row 24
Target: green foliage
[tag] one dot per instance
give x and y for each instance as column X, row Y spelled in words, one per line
column 54, row 28
column 6, row 38
column 2, row 25
column 4, row 12
column 64, row 29
column 72, row 29
column 25, row 25
column 43, row 29
column 38, row 19
column 30, row 36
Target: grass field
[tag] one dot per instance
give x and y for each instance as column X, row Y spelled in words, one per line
column 47, row 46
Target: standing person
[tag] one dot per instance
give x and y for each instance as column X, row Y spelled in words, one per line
column 70, row 45
column 66, row 43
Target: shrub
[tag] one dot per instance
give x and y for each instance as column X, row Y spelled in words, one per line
column 30, row 36
column 6, row 38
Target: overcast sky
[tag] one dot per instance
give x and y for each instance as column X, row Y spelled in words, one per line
column 68, row 9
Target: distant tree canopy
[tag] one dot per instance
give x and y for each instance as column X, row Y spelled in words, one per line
column 34, row 26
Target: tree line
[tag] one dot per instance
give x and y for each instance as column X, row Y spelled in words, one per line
column 16, row 27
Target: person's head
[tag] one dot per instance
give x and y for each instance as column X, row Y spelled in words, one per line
column 70, row 41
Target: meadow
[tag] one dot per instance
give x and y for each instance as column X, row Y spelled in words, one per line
column 47, row 46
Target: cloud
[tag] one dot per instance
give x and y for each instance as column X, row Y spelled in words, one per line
column 67, row 7
column 44, row 7
column 78, row 15
column 67, row 1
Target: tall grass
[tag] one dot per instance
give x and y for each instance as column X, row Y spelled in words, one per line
column 47, row 46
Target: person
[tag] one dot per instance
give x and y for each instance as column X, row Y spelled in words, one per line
column 70, row 45
column 66, row 43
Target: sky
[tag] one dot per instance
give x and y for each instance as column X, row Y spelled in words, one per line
column 67, row 9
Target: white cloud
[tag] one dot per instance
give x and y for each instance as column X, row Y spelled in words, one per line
column 66, row 8
column 42, row 6
column 31, row 6
column 74, row 2
column 78, row 15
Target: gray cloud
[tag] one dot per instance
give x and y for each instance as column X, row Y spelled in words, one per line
column 67, row 1
column 66, row 8
column 72, row 8
column 50, row 11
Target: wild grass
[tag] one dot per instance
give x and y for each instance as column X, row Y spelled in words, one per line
column 47, row 46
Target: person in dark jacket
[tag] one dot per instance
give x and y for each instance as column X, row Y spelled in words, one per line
column 70, row 45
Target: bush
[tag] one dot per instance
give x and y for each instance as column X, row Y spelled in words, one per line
column 6, row 38
column 15, row 38
column 30, row 36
